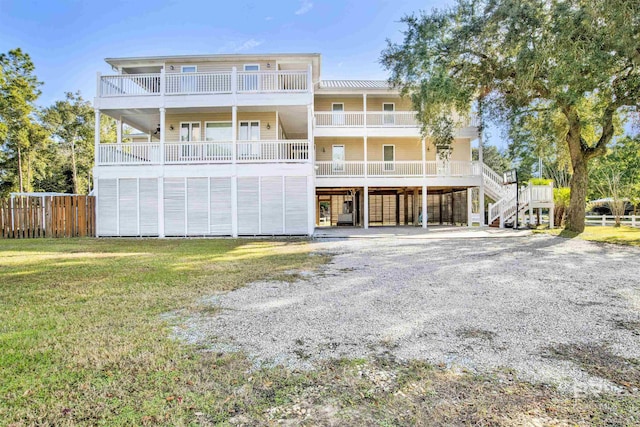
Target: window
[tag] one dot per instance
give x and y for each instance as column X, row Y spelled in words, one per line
column 251, row 80
column 218, row 131
column 337, row 157
column 188, row 82
column 337, row 108
column 249, row 131
column 389, row 157
column 390, row 118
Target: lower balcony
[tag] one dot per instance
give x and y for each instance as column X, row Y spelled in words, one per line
column 210, row 152
column 397, row 169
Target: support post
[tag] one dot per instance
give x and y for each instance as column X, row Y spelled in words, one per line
column 424, row 158
column 425, row 216
column 163, row 121
column 530, row 204
column 416, row 214
column 366, row 164
column 406, row 206
column 234, row 171
column 161, row 178
column 119, row 130
column 97, row 136
column 364, row 110
column 552, row 219
column 481, row 195
column 469, row 207
column 366, row 207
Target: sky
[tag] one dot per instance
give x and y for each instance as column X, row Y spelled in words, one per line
column 68, row 39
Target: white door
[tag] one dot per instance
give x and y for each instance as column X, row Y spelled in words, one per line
column 338, row 114
column 337, row 158
column 388, row 119
column 188, row 83
column 249, row 131
column 389, row 157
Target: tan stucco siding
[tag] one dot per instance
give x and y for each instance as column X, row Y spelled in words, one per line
column 401, row 104
column 461, row 150
column 223, row 66
column 350, row 103
column 353, row 147
column 264, row 118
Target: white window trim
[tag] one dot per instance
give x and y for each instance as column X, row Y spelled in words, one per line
column 335, row 164
column 216, row 121
column 386, row 163
column 244, row 67
column 337, row 103
column 250, row 121
column 182, row 67
column 389, row 103
column 191, row 123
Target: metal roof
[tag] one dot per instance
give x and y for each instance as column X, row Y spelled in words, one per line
column 355, row 84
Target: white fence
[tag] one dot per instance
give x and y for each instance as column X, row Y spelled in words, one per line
column 130, row 85
column 198, row 152
column 194, row 83
column 604, row 220
column 129, row 154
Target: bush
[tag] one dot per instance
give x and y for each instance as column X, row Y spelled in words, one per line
column 540, row 181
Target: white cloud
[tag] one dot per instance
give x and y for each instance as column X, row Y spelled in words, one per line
column 249, row 44
column 305, row 7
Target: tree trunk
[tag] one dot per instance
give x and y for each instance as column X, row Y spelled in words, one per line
column 578, row 184
column 20, row 169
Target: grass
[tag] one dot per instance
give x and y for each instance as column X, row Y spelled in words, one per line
column 83, row 342
column 617, row 235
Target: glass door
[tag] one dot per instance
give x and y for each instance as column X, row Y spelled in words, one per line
column 218, row 132
column 249, row 131
column 389, row 118
column 190, row 132
column 250, row 79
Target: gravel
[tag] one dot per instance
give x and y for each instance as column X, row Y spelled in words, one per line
column 472, row 303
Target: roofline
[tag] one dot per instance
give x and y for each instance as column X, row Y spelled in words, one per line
column 210, row 57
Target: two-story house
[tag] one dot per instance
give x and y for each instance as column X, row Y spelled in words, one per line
column 261, row 145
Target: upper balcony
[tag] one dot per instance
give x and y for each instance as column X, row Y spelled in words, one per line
column 379, row 123
column 204, row 89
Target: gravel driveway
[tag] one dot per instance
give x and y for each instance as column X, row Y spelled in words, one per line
column 475, row 303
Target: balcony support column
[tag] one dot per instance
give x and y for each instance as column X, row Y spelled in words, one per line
column 469, row 206
column 161, row 178
column 424, row 158
column 481, row 188
column 366, row 164
column 416, row 215
column 366, row 207
column 96, row 162
column 424, row 206
column 234, row 173
column 364, row 110
column 97, row 136
column 119, row 130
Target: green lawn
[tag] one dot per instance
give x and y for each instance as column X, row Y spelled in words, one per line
column 83, row 342
column 609, row 234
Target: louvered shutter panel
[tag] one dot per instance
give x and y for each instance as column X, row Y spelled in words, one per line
column 296, row 205
column 128, row 206
column 197, row 206
column 248, row 215
column 107, row 207
column 220, row 206
column 148, row 206
column 271, row 209
column 174, row 215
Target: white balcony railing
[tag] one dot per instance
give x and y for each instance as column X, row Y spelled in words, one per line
column 398, row 169
column 198, row 152
column 146, row 153
column 130, row 85
column 198, row 83
column 129, row 154
column 289, row 150
column 342, row 119
column 204, row 83
column 380, row 119
column 272, row 81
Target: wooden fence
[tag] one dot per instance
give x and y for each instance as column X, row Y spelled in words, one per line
column 25, row 217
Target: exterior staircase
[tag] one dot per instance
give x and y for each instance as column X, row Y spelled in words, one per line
column 504, row 209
